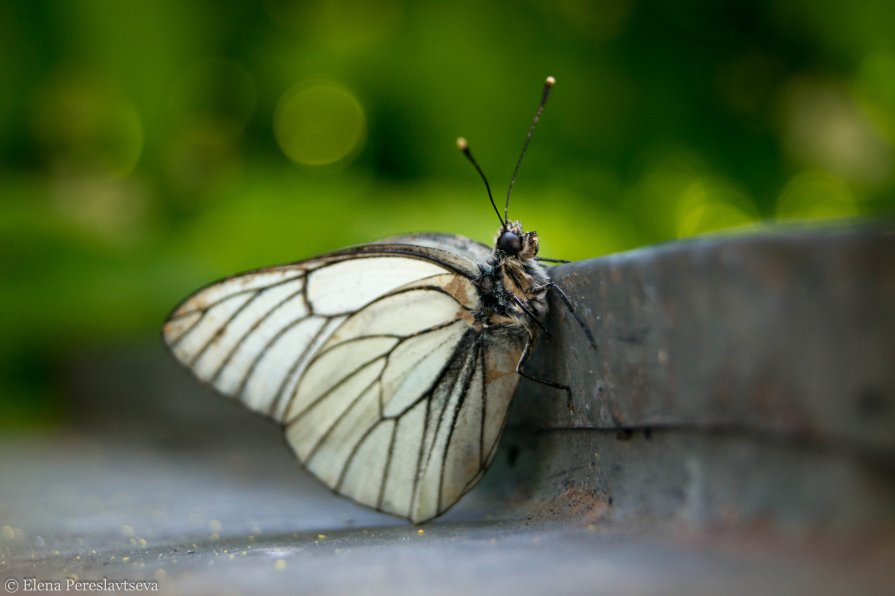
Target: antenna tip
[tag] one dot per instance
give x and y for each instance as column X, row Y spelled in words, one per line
column 550, row 81
column 462, row 145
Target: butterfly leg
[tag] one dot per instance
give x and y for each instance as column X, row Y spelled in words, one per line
column 568, row 303
column 565, row 299
column 546, row 260
column 519, row 369
column 531, row 315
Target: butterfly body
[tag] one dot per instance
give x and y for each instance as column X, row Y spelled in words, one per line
column 512, row 281
column 391, row 366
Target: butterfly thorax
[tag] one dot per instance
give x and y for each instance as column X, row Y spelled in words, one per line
column 513, row 284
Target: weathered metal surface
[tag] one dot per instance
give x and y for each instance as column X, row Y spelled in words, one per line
column 786, row 333
column 674, row 478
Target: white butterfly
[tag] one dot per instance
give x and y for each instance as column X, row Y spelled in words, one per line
column 391, row 365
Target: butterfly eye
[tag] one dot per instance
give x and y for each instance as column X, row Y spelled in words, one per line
column 509, row 243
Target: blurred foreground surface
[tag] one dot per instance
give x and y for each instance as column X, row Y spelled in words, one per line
column 229, row 522
column 687, row 468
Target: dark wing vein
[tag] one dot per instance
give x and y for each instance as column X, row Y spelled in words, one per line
column 321, row 353
column 419, row 457
column 453, row 421
column 357, row 370
column 459, row 353
column 388, row 465
column 394, row 293
column 322, row 439
column 260, row 289
column 220, row 330
column 305, row 354
column 339, row 344
column 441, row 374
column 263, row 351
column 483, row 460
column 378, row 379
column 176, row 341
column 355, row 448
column 255, row 325
column 490, row 456
column 209, row 307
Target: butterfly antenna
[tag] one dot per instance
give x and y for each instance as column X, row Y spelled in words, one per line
column 463, row 146
column 548, row 84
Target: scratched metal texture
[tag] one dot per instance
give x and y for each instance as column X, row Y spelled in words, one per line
column 788, row 333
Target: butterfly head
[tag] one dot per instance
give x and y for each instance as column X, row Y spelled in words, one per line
column 513, row 242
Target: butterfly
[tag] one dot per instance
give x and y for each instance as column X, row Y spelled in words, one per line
column 390, row 365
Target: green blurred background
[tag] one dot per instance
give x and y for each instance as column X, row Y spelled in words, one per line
column 150, row 146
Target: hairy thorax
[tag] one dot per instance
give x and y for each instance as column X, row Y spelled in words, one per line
column 513, row 291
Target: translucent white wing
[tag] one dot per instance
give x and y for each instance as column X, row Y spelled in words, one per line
column 389, row 390
column 251, row 336
column 403, row 406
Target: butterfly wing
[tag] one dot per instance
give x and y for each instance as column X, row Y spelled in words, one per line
column 250, row 336
column 453, row 243
column 390, row 392
column 402, row 408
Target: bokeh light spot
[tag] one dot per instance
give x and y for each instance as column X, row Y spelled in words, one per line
column 710, row 206
column 319, row 124
column 85, row 128
column 824, row 128
column 815, row 195
column 115, row 210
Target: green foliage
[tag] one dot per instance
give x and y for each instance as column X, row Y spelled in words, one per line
column 147, row 147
